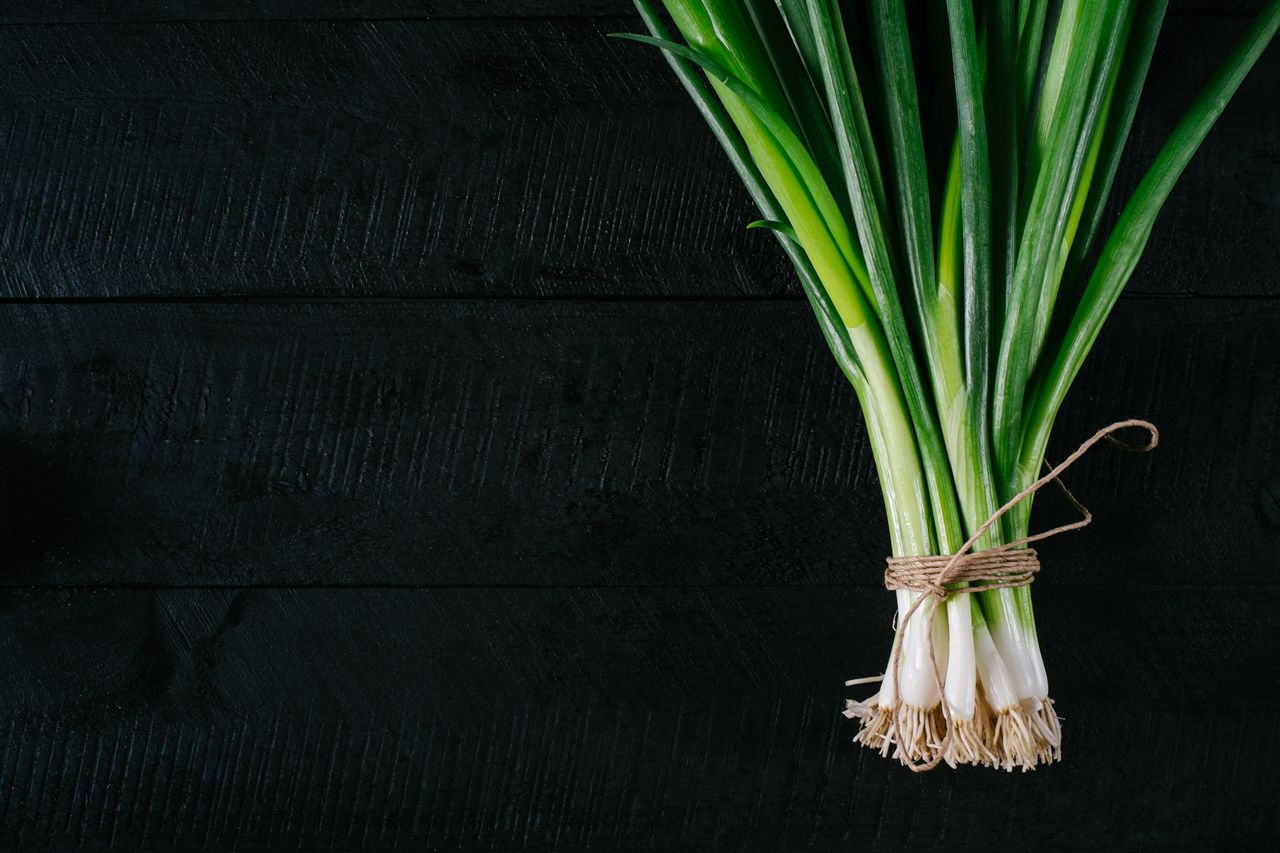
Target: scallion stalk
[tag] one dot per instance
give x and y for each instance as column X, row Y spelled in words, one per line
column 960, row 305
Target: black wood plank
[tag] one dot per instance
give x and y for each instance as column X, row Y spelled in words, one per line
column 96, row 11
column 549, row 443
column 773, row 774
column 609, row 719
column 467, row 157
column 355, row 650
column 263, row 11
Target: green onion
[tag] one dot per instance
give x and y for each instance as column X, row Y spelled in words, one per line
column 959, row 294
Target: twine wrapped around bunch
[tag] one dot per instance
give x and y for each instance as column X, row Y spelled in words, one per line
column 995, row 569
column 1002, row 567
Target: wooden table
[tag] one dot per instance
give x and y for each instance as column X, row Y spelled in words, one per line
column 403, row 445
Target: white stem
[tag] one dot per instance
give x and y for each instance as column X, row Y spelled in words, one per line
column 1040, row 678
column 888, row 694
column 1015, row 648
column 919, row 687
column 996, row 680
column 962, row 679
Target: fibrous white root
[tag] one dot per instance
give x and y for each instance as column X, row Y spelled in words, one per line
column 915, row 731
column 1009, row 738
column 1014, row 740
column 874, row 733
column 1048, row 731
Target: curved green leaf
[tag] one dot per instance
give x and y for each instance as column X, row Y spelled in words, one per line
column 1124, row 248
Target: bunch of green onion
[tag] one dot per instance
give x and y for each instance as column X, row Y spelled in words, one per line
column 939, row 179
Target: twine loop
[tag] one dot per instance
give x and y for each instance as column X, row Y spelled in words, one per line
column 1002, row 567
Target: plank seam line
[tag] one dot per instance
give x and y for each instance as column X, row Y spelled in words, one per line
column 523, row 300
column 144, row 587
column 423, row 18
column 339, row 19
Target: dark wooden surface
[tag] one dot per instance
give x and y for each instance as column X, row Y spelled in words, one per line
column 403, row 446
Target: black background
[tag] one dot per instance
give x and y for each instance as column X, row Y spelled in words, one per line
column 403, row 445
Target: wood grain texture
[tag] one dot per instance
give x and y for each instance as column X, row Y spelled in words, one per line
column 601, row 719
column 778, row 774
column 551, row 443
column 525, row 157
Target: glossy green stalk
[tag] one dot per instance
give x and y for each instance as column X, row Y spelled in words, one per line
column 1132, row 74
column 1031, row 21
column 1000, row 97
column 695, row 85
column 1123, row 249
column 971, row 454
column 1044, row 222
column 808, row 207
column 910, row 186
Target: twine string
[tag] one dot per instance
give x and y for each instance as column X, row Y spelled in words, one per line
column 1001, row 567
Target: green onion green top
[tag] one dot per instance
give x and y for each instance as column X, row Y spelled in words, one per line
column 940, row 184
